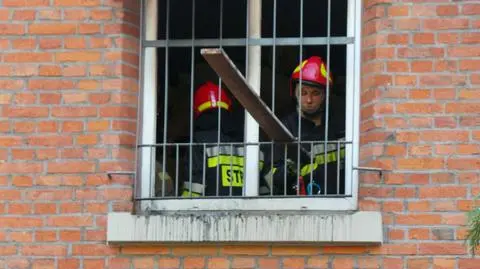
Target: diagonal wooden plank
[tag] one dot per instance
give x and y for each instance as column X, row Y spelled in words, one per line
column 238, row 86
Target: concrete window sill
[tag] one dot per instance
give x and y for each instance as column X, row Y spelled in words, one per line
column 343, row 228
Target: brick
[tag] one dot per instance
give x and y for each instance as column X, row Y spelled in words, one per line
column 453, row 136
column 240, row 262
column 471, row 38
column 116, row 111
column 93, row 250
column 12, row 29
column 74, row 112
column 418, row 219
column 49, row 195
column 50, row 14
column 72, row 126
column 75, row 43
column 419, row 234
column 94, row 264
column 71, row 167
column 74, row 71
column 24, row 127
column 50, row 43
column 420, row 163
column 421, row 52
column 397, row 249
column 46, row 236
column 75, row 14
column 119, row 263
column 44, row 250
column 50, row 71
column 25, row 112
column 21, row 98
column 145, row 250
column 422, row 66
column 447, row 10
column 441, row 249
column 413, row 263
column 50, row 98
column 101, row 14
column 26, row 44
column 45, row 84
column 76, row 3
column 443, row 234
column 419, row 108
column 52, row 29
column 89, row 28
column 47, row 126
column 293, row 263
column 42, row 208
column 445, row 24
column 464, row 164
column 99, row 235
column 72, row 98
column 464, row 51
column 99, row 98
column 30, row 167
column 50, row 141
column 88, row 85
column 218, row 263
column 194, row 262
column 443, row 192
column 471, row 9
column 70, row 236
column 420, row 206
column 78, row 56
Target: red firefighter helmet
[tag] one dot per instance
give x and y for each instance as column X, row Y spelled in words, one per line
column 207, row 97
column 313, row 72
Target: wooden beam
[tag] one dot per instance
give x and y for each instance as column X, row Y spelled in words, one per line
column 238, row 86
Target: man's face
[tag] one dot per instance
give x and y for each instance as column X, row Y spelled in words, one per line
column 311, row 98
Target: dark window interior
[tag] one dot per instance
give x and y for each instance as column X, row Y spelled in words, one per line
column 207, row 25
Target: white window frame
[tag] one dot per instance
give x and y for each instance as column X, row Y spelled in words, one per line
column 147, row 132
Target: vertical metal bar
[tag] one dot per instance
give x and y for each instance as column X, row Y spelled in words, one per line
column 217, row 169
column 311, row 163
column 165, row 108
column 352, row 101
column 204, row 168
column 149, row 102
column 338, row 167
column 231, row 169
column 285, row 170
column 177, row 155
column 274, row 63
column 274, row 53
column 299, row 100
column 254, row 69
column 192, row 74
column 327, row 97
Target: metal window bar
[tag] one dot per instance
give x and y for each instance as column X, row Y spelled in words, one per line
column 249, row 42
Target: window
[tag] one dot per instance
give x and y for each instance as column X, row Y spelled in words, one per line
column 179, row 151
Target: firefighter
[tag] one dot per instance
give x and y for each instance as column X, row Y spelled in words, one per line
column 310, row 99
column 225, row 160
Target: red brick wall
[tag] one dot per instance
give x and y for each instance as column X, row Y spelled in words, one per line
column 68, row 77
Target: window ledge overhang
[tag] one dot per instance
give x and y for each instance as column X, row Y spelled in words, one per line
column 343, row 228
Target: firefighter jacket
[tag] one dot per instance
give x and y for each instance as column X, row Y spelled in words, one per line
column 211, row 160
column 287, row 170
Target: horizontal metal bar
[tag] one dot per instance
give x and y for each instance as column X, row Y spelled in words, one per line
column 293, row 196
column 371, row 169
column 230, row 42
column 241, row 143
column 110, row 174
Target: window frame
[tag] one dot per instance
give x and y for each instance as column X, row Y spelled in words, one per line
column 146, row 129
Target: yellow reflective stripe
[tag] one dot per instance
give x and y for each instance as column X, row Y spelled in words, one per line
column 319, row 160
column 208, row 104
column 220, row 160
column 228, row 160
column 187, row 193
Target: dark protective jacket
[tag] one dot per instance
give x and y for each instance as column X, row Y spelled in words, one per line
column 211, row 160
column 286, row 168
